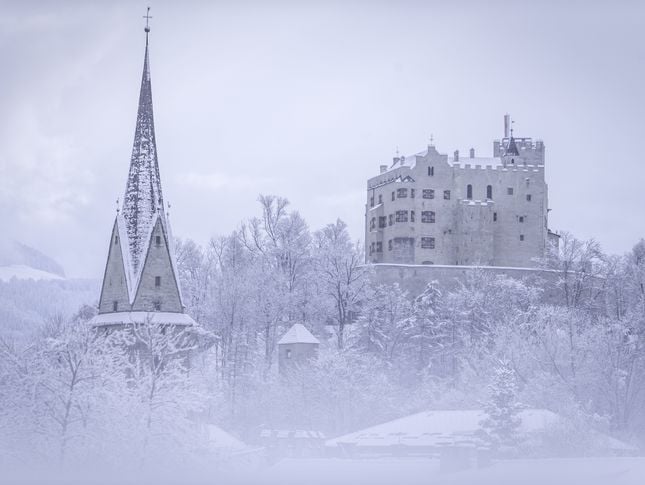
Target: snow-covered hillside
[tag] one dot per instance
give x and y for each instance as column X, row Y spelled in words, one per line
column 24, row 262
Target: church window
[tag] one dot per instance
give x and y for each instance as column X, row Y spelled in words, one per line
column 528, row 197
column 116, row 240
column 382, row 222
column 402, row 193
column 379, row 247
column 430, row 171
column 389, row 245
column 372, row 201
column 115, row 306
column 156, row 305
column 427, row 242
column 158, row 240
column 401, row 216
column 411, row 216
column 412, row 193
column 391, row 219
column 428, row 193
column 427, row 216
column 157, row 281
column 521, row 237
column 509, row 190
column 469, row 191
column 489, row 192
column 446, row 194
column 494, row 216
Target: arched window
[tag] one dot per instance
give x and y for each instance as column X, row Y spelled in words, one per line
column 489, row 192
column 469, row 191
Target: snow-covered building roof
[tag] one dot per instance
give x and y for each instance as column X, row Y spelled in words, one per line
column 437, row 428
column 298, row 334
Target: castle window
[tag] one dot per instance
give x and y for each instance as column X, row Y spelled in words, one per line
column 371, row 248
column 411, row 216
column 156, row 305
column 427, row 242
column 521, row 218
column 528, row 197
column 430, row 171
column 469, row 191
column 382, row 222
column 427, row 262
column 158, row 240
column 391, row 219
column 115, row 306
column 402, row 193
column 428, row 193
column 393, row 195
column 427, row 216
column 372, row 201
column 401, row 216
column 389, row 245
column 521, row 237
column 157, row 281
column 288, row 354
column 380, row 198
column 509, row 191
column 412, row 193
column 372, row 223
column 489, row 192
column 494, row 216
column 446, row 195
column 379, row 247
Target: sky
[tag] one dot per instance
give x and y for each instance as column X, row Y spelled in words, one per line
column 305, row 100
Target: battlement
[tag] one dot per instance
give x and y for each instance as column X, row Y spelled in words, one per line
column 501, row 167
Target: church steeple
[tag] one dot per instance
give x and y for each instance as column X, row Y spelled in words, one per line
column 141, row 271
column 143, row 196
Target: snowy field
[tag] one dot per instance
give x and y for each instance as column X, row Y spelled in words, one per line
column 386, row 471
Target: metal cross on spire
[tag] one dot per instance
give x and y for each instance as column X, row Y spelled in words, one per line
column 147, row 17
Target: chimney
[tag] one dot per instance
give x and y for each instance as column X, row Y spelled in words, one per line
column 456, row 155
column 383, row 168
column 507, row 124
column 472, row 153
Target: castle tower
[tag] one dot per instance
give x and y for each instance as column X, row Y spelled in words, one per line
column 140, row 282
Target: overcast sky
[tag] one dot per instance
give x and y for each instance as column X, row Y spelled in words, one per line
column 305, row 100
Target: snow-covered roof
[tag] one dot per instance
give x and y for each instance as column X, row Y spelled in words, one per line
column 298, row 334
column 125, row 318
column 220, row 439
column 438, row 427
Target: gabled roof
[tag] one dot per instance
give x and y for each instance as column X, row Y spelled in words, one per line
column 298, row 334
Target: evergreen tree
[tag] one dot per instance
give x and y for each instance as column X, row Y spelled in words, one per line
column 502, row 409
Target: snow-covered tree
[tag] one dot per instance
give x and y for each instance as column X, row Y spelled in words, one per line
column 502, row 408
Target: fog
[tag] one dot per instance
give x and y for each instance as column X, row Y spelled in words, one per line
column 254, row 343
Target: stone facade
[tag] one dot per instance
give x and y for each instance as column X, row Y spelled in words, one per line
column 433, row 209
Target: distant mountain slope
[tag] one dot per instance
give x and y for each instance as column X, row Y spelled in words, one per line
column 17, row 259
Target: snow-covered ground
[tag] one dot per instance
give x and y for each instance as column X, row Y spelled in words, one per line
column 399, row 471
column 24, row 272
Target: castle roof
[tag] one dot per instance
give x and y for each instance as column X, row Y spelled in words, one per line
column 512, row 148
column 298, row 334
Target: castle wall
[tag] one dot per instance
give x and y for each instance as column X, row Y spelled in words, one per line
column 507, row 227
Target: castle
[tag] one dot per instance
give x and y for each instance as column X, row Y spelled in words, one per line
column 429, row 209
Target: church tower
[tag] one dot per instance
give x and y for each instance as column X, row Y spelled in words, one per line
column 140, row 282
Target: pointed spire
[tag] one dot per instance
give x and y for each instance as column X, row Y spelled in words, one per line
column 143, row 194
column 512, row 146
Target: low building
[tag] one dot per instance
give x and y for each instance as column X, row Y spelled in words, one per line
column 297, row 347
